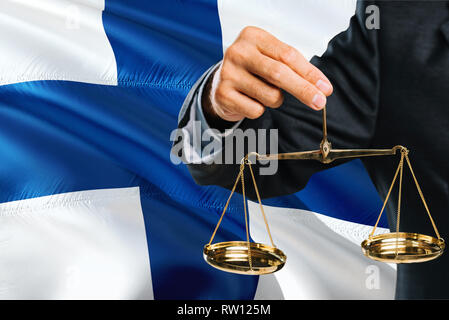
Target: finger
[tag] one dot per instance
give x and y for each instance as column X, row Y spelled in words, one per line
column 282, row 76
column 229, row 115
column 226, row 114
column 238, row 104
column 253, row 87
column 270, row 46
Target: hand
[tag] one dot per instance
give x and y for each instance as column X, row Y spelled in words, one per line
column 254, row 70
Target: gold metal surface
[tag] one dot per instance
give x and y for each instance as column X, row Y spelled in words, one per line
column 250, row 258
column 328, row 155
column 403, row 247
column 238, row 257
column 244, row 257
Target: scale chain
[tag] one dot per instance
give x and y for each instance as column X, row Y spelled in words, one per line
column 401, row 166
column 260, row 204
column 386, row 199
column 399, row 170
column 227, row 204
column 250, row 261
column 422, row 196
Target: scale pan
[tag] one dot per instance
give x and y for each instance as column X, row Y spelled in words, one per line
column 403, row 247
column 233, row 256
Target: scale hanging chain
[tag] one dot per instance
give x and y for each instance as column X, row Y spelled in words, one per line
column 386, row 198
column 260, row 204
column 401, row 166
column 242, row 167
column 324, row 124
column 250, row 260
column 422, row 197
column 398, row 220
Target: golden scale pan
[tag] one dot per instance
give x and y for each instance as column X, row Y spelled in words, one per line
column 246, row 257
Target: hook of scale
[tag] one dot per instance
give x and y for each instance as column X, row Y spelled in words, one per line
column 246, row 257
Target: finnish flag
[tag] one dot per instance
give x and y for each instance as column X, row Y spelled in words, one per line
column 91, row 207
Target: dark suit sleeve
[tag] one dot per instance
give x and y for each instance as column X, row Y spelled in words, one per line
column 351, row 64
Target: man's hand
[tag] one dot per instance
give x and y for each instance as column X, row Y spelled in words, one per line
column 254, row 69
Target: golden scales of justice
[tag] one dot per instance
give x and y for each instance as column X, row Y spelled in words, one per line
column 251, row 258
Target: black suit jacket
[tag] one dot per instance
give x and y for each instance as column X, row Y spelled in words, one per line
column 391, row 86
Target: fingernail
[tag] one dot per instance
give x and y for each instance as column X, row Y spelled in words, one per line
column 319, row 101
column 323, row 86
